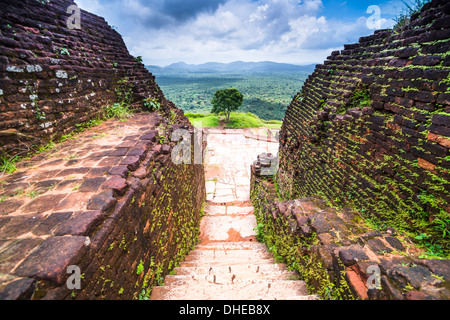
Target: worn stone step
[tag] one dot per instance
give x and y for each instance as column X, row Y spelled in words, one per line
column 229, row 278
column 231, row 228
column 231, row 256
column 240, row 269
column 222, row 262
column 227, row 210
column 218, row 250
column 243, row 245
column 263, row 290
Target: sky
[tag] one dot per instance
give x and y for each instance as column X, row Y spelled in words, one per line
column 198, row 31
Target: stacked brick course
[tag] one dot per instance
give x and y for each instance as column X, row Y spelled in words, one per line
column 53, row 77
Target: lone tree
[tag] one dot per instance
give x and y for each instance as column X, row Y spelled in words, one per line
column 227, row 100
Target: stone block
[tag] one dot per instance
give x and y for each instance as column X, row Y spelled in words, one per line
column 80, row 224
column 18, row 289
column 117, row 184
column 132, row 162
column 51, row 259
column 91, row 184
column 352, row 254
column 103, row 201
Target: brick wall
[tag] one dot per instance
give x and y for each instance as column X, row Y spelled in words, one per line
column 146, row 219
column 150, row 231
column 371, row 128
column 52, row 78
column 338, row 254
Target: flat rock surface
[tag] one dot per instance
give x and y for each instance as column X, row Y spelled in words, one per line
column 55, row 200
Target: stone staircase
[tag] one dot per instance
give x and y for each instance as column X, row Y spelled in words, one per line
column 229, row 263
column 230, row 270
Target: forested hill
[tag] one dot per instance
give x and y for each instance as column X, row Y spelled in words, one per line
column 233, row 67
column 268, row 87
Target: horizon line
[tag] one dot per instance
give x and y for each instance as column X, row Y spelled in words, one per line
column 225, row 63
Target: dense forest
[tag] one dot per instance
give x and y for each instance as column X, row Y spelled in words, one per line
column 266, row 94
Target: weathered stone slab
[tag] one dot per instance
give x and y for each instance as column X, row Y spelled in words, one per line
column 103, row 201
column 91, row 184
column 117, row 184
column 53, row 220
column 18, row 225
column 80, row 223
column 44, row 203
column 19, row 289
column 10, row 206
column 51, row 259
column 13, row 251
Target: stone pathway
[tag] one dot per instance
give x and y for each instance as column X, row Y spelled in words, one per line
column 229, row 264
column 59, row 197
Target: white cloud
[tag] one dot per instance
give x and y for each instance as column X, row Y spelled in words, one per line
column 227, row 30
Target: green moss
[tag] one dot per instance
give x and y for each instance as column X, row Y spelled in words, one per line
column 290, row 249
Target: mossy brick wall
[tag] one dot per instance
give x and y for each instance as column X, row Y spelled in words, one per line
column 334, row 250
column 148, row 234
column 133, row 233
column 52, row 78
column 371, row 128
column 70, row 75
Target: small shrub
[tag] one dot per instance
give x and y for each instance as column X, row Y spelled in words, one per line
column 410, row 9
column 360, row 98
column 118, row 110
column 152, row 104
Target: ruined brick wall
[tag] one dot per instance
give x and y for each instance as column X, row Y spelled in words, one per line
column 141, row 223
column 148, row 233
column 371, row 128
column 338, row 254
column 130, row 220
column 52, row 77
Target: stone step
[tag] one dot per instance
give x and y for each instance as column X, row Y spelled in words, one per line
column 225, row 263
column 243, row 245
column 233, row 228
column 229, row 278
column 249, row 250
column 263, row 290
column 238, row 269
column 207, row 257
column 227, row 210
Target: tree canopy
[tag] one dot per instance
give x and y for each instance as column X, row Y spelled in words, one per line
column 227, row 100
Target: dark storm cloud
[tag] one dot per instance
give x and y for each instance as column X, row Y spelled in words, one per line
column 163, row 13
column 186, row 9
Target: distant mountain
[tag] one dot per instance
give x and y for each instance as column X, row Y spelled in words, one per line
column 233, row 67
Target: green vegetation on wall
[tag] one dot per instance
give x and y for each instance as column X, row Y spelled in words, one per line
column 295, row 251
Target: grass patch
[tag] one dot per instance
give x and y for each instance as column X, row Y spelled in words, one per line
column 237, row 120
column 8, row 165
column 199, row 119
column 118, row 110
